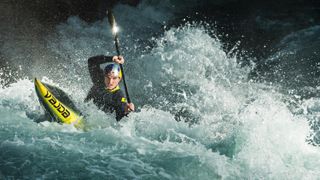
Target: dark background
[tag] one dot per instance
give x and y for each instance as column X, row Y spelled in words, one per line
column 26, row 22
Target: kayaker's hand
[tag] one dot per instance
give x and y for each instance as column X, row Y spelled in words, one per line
column 118, row 59
column 130, row 107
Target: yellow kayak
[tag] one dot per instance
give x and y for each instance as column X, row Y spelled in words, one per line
column 58, row 111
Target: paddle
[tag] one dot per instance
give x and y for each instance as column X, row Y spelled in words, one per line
column 114, row 27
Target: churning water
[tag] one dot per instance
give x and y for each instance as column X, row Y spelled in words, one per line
column 198, row 114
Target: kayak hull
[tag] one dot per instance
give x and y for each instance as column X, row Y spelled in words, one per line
column 59, row 111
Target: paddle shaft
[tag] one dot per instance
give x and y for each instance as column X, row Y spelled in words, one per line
column 116, row 43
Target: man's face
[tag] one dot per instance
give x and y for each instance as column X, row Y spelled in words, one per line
column 111, row 81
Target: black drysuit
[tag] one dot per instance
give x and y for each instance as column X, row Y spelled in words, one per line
column 108, row 101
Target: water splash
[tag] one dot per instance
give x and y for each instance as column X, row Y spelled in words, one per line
column 237, row 129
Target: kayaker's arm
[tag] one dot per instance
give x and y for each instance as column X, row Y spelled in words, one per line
column 96, row 73
column 122, row 107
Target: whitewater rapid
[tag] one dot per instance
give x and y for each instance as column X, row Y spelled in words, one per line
column 230, row 126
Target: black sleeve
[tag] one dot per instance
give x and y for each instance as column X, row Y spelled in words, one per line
column 120, row 105
column 96, row 73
